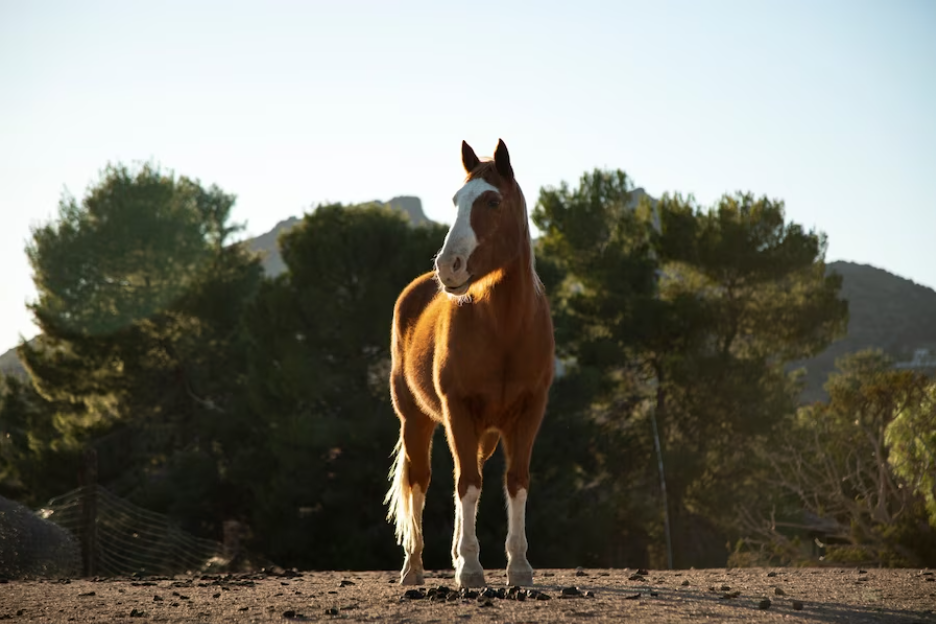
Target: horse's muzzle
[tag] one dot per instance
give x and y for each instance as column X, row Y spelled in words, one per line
column 452, row 273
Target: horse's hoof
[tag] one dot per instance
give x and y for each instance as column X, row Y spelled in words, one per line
column 520, row 575
column 470, row 579
column 412, row 578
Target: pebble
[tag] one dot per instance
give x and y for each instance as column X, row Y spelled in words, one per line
column 439, row 592
column 764, row 604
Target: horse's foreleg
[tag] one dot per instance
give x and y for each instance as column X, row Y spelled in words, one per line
column 456, row 534
column 463, row 440
column 488, row 445
column 518, row 448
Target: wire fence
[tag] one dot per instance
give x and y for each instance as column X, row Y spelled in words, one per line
column 123, row 539
column 91, row 531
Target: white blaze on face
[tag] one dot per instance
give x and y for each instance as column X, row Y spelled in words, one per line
column 461, row 241
column 516, row 525
column 468, row 546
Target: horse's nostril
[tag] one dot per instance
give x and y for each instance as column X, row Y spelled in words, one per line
column 457, row 264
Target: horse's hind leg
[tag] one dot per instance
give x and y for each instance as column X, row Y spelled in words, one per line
column 410, row 480
column 518, row 448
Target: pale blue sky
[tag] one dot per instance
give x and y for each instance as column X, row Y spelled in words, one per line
column 830, row 106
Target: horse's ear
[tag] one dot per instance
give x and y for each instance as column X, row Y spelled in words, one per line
column 469, row 159
column 502, row 160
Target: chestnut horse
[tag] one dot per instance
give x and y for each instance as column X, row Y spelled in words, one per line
column 472, row 349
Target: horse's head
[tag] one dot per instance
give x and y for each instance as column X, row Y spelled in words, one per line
column 490, row 228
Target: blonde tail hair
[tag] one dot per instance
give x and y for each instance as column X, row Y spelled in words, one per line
column 400, row 500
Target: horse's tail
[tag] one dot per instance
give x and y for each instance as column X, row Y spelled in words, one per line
column 400, row 500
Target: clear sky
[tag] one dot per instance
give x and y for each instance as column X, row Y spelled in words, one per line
column 830, row 106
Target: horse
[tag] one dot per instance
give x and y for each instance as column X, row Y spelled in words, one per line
column 472, row 349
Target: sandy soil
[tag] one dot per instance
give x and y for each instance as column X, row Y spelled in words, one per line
column 740, row 595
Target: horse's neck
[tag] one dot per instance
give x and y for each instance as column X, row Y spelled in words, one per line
column 510, row 300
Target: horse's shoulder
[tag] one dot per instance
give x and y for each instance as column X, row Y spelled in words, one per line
column 415, row 298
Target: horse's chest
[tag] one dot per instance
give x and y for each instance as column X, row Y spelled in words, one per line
column 497, row 377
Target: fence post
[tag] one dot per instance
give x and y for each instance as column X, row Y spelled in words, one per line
column 88, row 482
column 232, row 539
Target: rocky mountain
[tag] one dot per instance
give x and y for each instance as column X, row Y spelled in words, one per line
column 266, row 244
column 886, row 312
column 10, row 364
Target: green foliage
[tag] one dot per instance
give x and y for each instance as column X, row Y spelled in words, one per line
column 693, row 313
column 763, row 278
column 595, row 250
column 141, row 355
column 318, row 384
column 911, row 442
column 832, row 474
column 127, row 251
column 37, row 450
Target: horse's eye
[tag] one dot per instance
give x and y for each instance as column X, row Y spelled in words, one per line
column 493, row 203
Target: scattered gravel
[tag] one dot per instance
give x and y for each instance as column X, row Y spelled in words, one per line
column 808, row 596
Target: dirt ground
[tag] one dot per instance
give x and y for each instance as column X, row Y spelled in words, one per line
column 739, row 595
